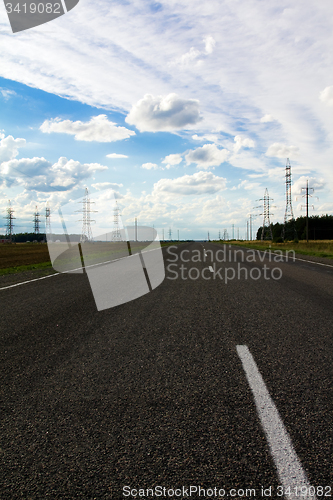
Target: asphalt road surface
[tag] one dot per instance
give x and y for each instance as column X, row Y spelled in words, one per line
column 163, row 392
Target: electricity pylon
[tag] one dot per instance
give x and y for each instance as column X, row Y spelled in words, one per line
column 116, row 234
column 86, row 234
column 266, row 226
column 289, row 214
column 48, row 221
column 9, row 224
column 36, row 221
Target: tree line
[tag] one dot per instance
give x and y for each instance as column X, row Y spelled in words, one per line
column 320, row 228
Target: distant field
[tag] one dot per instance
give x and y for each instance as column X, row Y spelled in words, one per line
column 27, row 256
column 318, row 248
column 23, row 256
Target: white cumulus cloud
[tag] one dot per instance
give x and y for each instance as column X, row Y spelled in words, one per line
column 153, row 114
column 98, row 129
column 207, row 156
column 314, row 183
column 282, row 151
column 242, row 143
column 194, row 55
column 173, row 159
column 327, row 95
column 9, row 147
column 209, row 44
column 149, row 166
column 116, row 155
column 196, row 184
column 267, row 119
column 40, row 175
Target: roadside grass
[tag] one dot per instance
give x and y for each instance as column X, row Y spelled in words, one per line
column 317, row 248
column 20, row 257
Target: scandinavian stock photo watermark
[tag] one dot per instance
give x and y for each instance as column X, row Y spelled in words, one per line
column 26, row 14
column 185, row 264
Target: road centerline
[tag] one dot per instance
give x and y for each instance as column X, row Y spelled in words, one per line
column 289, row 468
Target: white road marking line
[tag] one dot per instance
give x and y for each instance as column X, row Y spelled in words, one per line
column 289, row 468
column 71, row 271
column 30, row 281
column 292, row 258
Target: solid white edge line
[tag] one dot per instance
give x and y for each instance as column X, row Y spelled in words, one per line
column 289, row 468
column 292, row 258
column 73, row 270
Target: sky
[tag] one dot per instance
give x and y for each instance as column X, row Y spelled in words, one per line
column 187, row 110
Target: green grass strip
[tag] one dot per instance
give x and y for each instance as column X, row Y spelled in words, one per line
column 29, row 267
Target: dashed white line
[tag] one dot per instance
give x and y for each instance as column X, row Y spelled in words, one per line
column 289, row 468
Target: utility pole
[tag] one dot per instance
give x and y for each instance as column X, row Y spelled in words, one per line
column 219, row 235
column 233, row 231
column 163, row 234
column 238, row 233
column 306, row 195
column 208, row 235
column 170, row 234
column 9, row 224
column 250, row 226
column 247, row 230
column 178, row 234
column 136, row 228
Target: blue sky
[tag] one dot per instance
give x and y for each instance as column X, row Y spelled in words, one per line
column 188, row 110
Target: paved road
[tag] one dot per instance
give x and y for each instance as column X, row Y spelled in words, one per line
column 154, row 392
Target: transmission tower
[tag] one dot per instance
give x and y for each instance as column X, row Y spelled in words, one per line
column 48, row 220
column 86, row 234
column 219, row 235
column 36, row 221
column 266, row 226
column 116, row 234
column 9, row 224
column 289, row 214
column 170, row 233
